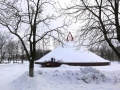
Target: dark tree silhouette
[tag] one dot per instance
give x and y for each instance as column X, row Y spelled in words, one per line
column 100, row 20
column 27, row 19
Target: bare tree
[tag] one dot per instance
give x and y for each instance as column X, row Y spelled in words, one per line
column 3, row 41
column 27, row 19
column 100, row 20
column 11, row 50
column 16, row 51
column 22, row 52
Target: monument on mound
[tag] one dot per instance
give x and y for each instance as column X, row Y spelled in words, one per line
column 67, row 54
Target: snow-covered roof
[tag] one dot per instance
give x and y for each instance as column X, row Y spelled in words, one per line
column 68, row 53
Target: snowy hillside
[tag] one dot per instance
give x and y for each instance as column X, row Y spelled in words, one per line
column 15, row 77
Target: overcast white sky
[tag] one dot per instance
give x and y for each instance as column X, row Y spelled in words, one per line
column 59, row 21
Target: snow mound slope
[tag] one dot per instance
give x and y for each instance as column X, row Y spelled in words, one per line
column 60, row 79
column 68, row 53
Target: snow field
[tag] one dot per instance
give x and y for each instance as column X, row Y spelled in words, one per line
column 15, row 77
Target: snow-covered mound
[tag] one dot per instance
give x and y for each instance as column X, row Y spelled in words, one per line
column 92, row 75
column 68, row 53
column 46, row 79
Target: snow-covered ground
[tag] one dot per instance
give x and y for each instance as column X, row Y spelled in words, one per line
column 15, row 77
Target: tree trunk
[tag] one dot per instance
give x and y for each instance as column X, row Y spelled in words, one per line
column 31, row 68
column 117, row 19
column 22, row 58
column 1, row 55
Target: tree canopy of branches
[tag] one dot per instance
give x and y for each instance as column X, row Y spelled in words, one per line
column 27, row 19
column 100, row 20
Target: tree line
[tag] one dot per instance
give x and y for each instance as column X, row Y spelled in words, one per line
column 106, row 52
column 12, row 50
